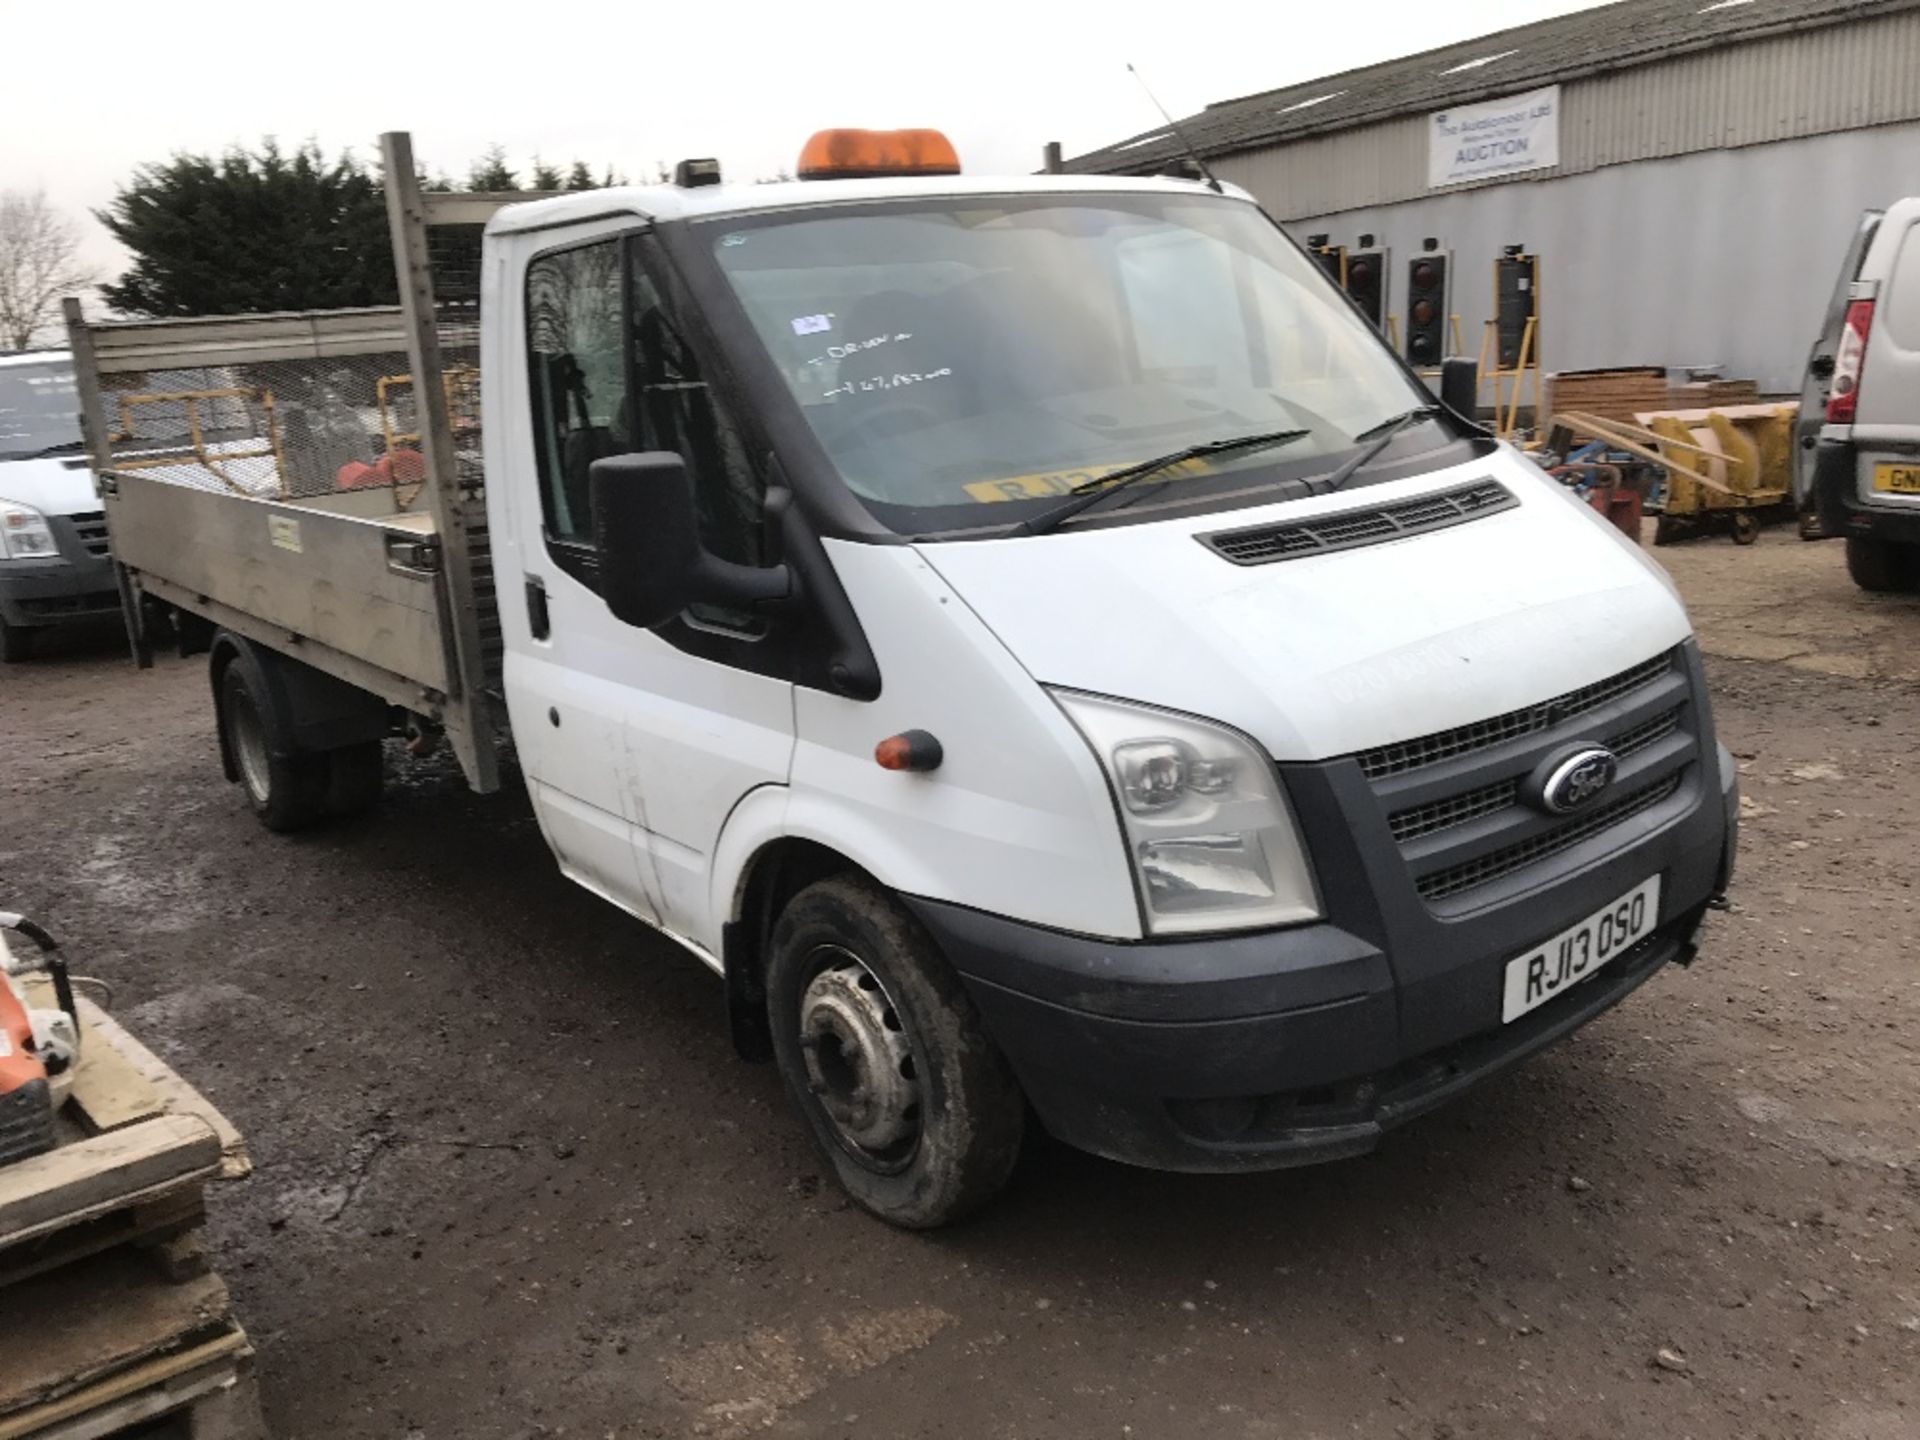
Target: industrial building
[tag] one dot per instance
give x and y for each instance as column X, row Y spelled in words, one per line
column 1688, row 172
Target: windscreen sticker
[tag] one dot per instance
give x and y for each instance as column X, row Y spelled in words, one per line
column 1061, row 482
column 812, row 324
column 899, row 380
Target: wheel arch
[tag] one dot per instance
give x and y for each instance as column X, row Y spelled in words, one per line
column 780, row 868
column 310, row 709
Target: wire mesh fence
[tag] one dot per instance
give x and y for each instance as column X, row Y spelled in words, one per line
column 453, row 260
column 330, row 406
column 283, row 428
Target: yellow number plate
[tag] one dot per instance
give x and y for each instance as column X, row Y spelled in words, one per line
column 1898, row 479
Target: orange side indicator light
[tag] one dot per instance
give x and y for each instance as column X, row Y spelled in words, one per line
column 909, row 750
column 863, row 154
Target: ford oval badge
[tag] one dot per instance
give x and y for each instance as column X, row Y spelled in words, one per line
column 1570, row 780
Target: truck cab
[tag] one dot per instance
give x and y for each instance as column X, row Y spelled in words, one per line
column 1229, row 815
column 1029, row 636
column 54, row 568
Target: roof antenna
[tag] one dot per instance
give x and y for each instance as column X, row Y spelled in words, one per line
column 1179, row 134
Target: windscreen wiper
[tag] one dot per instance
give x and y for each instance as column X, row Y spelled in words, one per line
column 1088, row 491
column 1376, row 438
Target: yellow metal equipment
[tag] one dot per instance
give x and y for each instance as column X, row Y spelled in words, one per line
column 462, row 384
column 1733, row 464
column 1753, row 465
column 196, row 451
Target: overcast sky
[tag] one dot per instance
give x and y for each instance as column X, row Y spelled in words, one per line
column 97, row 87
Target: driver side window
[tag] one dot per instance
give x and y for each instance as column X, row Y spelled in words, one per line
column 611, row 372
column 576, row 358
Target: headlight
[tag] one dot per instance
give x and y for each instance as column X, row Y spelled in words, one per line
column 23, row 533
column 1208, row 830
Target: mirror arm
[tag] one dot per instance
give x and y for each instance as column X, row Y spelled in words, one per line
column 725, row 582
column 852, row 668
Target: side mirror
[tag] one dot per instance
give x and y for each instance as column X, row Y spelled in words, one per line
column 652, row 564
column 1460, row 387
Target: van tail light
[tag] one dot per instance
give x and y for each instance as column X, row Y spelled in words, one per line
column 1849, row 359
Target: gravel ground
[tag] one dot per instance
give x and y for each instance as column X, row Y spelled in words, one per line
column 511, row 1182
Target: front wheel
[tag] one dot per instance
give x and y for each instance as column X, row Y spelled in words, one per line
column 905, row 1094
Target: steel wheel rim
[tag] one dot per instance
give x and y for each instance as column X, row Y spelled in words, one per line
column 862, row 1072
column 250, row 749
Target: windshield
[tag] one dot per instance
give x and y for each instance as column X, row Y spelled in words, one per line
column 39, row 408
column 965, row 362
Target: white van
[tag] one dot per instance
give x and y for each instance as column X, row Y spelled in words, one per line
column 1865, row 471
column 54, row 568
column 1029, row 636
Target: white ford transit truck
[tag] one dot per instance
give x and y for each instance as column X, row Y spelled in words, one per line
column 1030, row 637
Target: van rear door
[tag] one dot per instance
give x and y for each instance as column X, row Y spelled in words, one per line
column 1813, row 387
column 1886, row 426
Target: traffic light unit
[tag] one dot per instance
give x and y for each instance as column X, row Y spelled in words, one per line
column 1429, row 305
column 1330, row 258
column 1516, row 290
column 1367, row 281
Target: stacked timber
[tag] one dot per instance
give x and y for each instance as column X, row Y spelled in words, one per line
column 1610, row 394
column 1711, row 395
column 112, row 1321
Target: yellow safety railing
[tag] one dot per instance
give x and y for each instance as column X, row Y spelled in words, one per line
column 197, row 451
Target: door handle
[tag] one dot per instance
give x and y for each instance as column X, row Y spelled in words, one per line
column 538, row 621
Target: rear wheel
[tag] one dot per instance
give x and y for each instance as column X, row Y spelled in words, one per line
column 906, row 1096
column 287, row 789
column 1881, row 566
column 16, row 643
column 1746, row 527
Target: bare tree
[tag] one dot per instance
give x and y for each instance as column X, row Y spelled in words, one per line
column 39, row 263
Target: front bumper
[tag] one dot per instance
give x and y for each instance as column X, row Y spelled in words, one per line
column 1293, row 1046
column 1251, row 1092
column 78, row 584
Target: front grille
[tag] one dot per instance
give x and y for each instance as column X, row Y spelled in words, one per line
column 1439, row 884
column 1454, row 810
column 1398, row 758
column 1647, row 733
column 1346, row 529
column 1412, row 823
column 92, row 530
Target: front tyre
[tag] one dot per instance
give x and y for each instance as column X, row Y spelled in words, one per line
column 906, row 1096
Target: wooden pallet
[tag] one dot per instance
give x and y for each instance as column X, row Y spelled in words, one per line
column 110, row 1315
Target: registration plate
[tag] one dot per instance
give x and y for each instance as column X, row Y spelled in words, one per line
column 1575, row 953
column 1897, row 479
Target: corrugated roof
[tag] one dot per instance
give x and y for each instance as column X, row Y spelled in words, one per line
column 1568, row 47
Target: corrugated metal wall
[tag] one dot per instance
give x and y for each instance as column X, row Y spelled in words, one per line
column 1720, row 257
column 1837, row 77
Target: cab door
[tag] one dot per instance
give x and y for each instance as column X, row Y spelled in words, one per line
column 636, row 744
